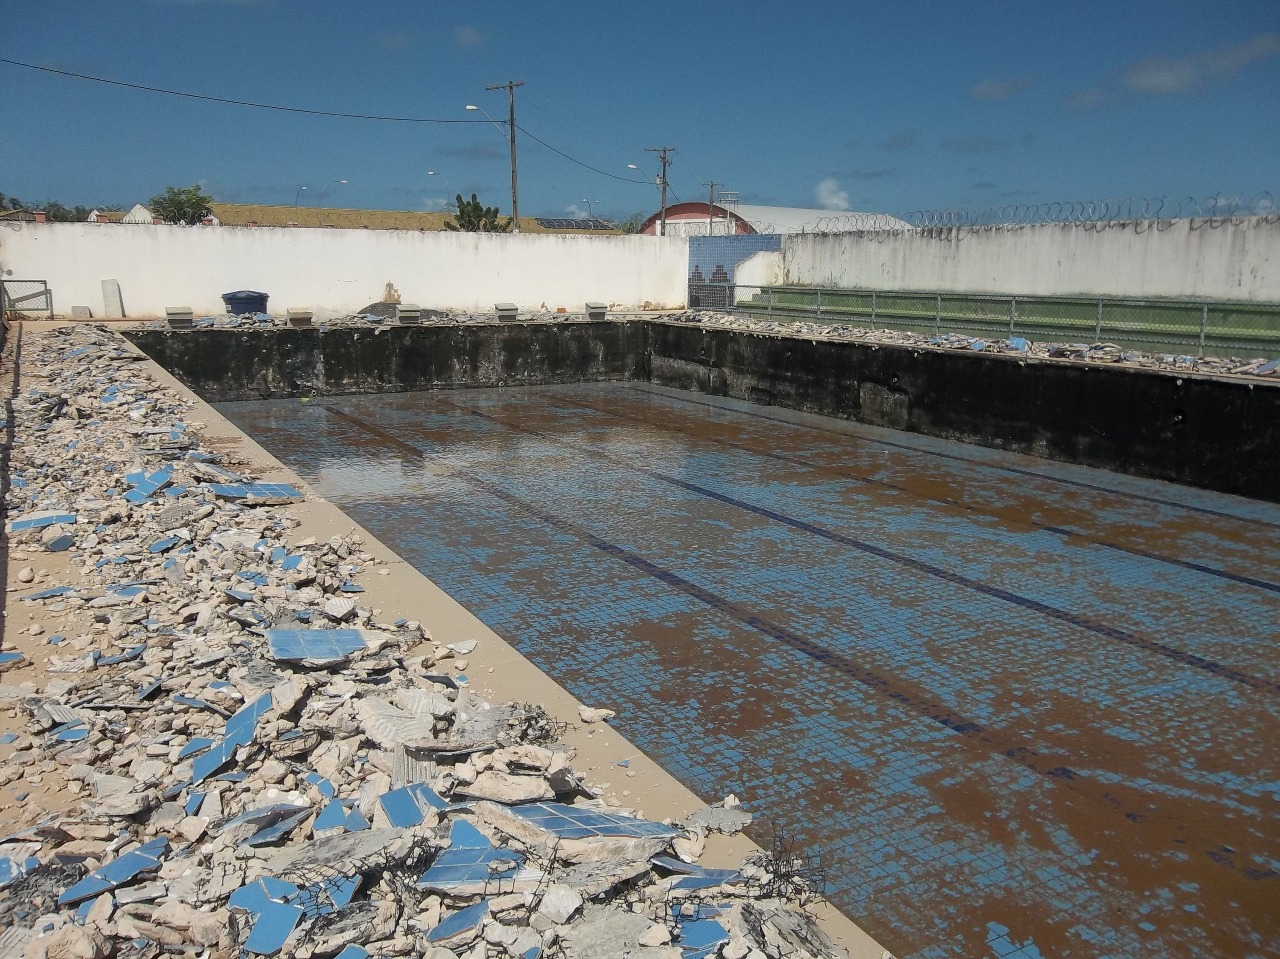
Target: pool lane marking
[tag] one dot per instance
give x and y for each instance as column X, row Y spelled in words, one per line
column 871, row 481
column 962, row 459
column 900, row 693
column 997, row 743
column 1172, row 653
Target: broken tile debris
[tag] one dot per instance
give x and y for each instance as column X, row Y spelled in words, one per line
column 257, row 765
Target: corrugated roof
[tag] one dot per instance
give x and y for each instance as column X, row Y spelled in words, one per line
column 788, row 219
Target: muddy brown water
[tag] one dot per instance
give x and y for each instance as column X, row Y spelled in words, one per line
column 1009, row 707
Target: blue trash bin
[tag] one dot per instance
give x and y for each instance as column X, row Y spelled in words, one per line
column 245, row 301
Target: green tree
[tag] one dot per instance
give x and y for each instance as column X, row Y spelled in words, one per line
column 632, row 223
column 472, row 216
column 181, row 205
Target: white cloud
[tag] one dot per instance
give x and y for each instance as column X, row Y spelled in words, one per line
column 830, row 196
column 1001, row 89
column 1177, row 76
column 467, row 36
column 577, row 212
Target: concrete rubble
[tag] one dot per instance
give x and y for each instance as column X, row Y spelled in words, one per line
column 251, row 762
column 1092, row 353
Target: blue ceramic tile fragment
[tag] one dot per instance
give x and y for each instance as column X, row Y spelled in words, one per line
column 471, row 861
column 252, row 491
column 12, row 870
column 317, row 645
column 272, row 928
column 574, row 822
column 197, row 744
column 40, row 521
column 463, row 921
column 353, row 952
column 405, row 807
column 700, row 938
column 8, row 658
column 50, row 593
column 118, row 872
column 340, row 814
column 124, row 657
column 322, row 784
column 192, row 805
column 279, row 829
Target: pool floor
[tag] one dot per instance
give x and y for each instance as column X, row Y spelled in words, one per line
column 1019, row 708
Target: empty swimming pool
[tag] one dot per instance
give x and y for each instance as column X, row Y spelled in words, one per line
column 1023, row 708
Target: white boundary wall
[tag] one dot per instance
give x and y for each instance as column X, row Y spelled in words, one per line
column 1182, row 259
column 341, row 271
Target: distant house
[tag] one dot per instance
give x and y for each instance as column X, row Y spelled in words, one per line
column 138, row 214
column 104, row 216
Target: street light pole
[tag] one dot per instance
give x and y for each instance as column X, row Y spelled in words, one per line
column 591, row 212
column 323, row 190
column 295, row 203
column 662, row 182
column 515, row 222
column 447, row 185
column 510, row 87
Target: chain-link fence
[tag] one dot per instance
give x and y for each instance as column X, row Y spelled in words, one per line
column 25, row 300
column 1233, row 329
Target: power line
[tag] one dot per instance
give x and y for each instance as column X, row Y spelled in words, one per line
column 587, row 166
column 238, row 103
column 304, row 110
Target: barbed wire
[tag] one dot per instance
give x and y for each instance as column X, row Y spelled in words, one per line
column 1138, row 213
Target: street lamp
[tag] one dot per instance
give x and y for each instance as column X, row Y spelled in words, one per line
column 510, row 87
column 295, row 203
column 447, row 185
column 590, row 209
column 323, row 190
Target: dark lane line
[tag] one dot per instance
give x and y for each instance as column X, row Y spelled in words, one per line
column 961, row 459
column 997, row 743
column 1180, row 656
column 847, row 474
column 901, row 693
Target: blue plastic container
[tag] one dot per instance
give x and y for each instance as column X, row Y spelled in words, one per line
column 245, row 301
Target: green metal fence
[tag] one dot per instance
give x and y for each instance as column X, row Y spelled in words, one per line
column 1212, row 327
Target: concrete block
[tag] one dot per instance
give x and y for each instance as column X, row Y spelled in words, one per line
column 505, row 311
column 300, row 316
column 81, row 313
column 179, row 317
column 597, row 311
column 112, row 301
column 409, row 313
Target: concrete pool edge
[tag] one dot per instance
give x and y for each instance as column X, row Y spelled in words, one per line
column 498, row 670
column 1208, row 431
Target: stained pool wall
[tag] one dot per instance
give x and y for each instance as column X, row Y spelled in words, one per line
column 235, row 364
column 1217, row 433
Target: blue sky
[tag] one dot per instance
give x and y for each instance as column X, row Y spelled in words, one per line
column 884, row 106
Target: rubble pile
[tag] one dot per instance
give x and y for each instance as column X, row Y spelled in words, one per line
column 1108, row 353
column 254, row 763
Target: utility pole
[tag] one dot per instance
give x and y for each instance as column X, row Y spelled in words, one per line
column 510, row 87
column 662, row 182
column 711, row 194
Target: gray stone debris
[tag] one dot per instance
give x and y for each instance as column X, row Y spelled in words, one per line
column 1108, row 353
column 227, row 797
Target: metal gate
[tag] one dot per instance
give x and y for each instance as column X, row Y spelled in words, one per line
column 25, row 300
